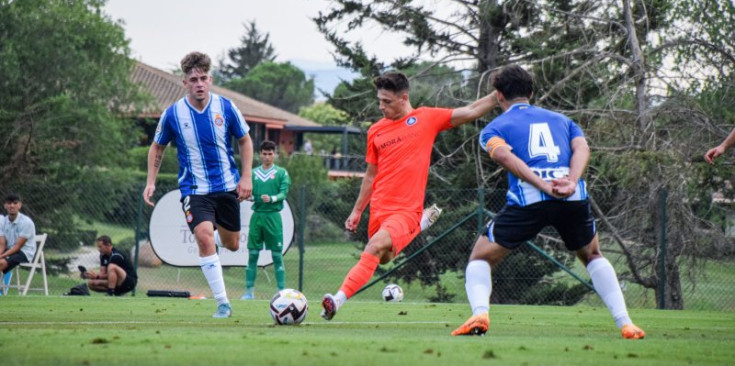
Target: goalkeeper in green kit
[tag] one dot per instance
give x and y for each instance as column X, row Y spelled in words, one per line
column 270, row 188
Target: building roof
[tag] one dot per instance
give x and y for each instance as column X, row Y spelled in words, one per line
column 166, row 88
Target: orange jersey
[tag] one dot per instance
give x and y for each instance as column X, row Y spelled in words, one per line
column 401, row 150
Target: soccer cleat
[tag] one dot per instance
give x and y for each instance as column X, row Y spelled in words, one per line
column 475, row 325
column 631, row 331
column 249, row 294
column 429, row 216
column 223, row 311
column 330, row 307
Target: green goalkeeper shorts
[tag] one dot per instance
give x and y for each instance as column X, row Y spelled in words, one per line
column 266, row 228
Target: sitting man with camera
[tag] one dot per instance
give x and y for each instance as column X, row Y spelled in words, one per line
column 117, row 275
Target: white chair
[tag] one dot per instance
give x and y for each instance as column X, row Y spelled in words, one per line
column 39, row 261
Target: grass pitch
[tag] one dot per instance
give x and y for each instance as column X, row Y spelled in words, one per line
column 158, row 331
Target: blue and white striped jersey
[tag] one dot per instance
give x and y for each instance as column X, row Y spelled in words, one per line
column 542, row 139
column 204, row 141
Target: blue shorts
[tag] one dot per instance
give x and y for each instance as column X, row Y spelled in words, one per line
column 514, row 225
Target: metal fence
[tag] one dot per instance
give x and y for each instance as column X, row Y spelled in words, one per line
column 431, row 269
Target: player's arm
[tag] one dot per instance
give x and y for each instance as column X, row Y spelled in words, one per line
column 566, row 186
column 3, row 243
column 366, row 191
column 245, row 186
column 580, row 158
column 103, row 274
column 155, row 159
column 475, row 110
column 15, row 248
column 721, row 148
column 282, row 188
column 510, row 162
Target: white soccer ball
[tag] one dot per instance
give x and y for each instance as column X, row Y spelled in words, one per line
column 393, row 293
column 289, row 307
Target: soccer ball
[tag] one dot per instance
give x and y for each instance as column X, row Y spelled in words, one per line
column 393, row 293
column 289, row 307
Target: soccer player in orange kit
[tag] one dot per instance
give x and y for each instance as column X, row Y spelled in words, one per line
column 398, row 158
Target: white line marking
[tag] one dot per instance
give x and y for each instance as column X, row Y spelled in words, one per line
column 189, row 322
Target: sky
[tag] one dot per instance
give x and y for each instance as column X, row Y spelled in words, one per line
column 161, row 32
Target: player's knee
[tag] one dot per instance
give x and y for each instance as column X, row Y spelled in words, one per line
column 277, row 256
column 387, row 257
column 233, row 245
column 378, row 249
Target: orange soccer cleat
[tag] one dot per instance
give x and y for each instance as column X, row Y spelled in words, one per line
column 475, row 325
column 631, row 331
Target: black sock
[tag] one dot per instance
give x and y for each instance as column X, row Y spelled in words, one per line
column 110, row 291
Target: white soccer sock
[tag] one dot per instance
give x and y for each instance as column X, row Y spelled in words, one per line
column 606, row 284
column 340, row 298
column 212, row 270
column 478, row 283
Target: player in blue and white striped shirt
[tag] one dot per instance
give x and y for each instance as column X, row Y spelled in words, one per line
column 545, row 154
column 203, row 124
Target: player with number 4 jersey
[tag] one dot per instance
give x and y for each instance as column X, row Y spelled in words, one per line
column 540, row 138
column 545, row 154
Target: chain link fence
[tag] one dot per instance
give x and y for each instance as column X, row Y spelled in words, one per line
column 431, row 269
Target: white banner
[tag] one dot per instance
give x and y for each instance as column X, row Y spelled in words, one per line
column 174, row 243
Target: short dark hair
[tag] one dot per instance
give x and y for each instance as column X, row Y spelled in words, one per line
column 514, row 82
column 268, row 145
column 392, row 81
column 195, row 60
column 12, row 197
column 104, row 239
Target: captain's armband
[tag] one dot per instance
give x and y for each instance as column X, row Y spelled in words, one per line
column 494, row 143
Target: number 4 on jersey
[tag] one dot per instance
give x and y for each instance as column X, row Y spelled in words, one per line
column 541, row 143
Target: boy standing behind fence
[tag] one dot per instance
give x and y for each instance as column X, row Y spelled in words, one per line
column 270, row 188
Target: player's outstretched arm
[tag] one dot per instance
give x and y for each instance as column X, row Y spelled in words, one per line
column 366, row 191
column 720, row 149
column 475, row 110
column 155, row 158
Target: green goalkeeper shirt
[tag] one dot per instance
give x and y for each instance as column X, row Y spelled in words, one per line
column 273, row 182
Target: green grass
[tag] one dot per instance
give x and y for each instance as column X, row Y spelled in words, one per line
column 159, row 331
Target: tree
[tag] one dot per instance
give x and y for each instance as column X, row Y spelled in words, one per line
column 64, row 79
column 326, row 115
column 255, row 49
column 65, row 87
column 281, row 85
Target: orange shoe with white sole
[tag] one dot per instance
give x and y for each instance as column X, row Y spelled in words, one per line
column 631, row 331
column 475, row 325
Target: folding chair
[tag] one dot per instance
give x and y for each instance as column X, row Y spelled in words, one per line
column 39, row 261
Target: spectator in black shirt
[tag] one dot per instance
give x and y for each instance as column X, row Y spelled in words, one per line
column 117, row 275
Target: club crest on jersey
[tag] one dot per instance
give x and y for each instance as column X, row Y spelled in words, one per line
column 411, row 121
column 218, row 120
column 189, row 217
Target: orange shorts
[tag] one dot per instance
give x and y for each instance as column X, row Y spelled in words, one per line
column 402, row 226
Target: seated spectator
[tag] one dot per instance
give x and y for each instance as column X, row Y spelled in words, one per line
column 17, row 235
column 117, row 275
